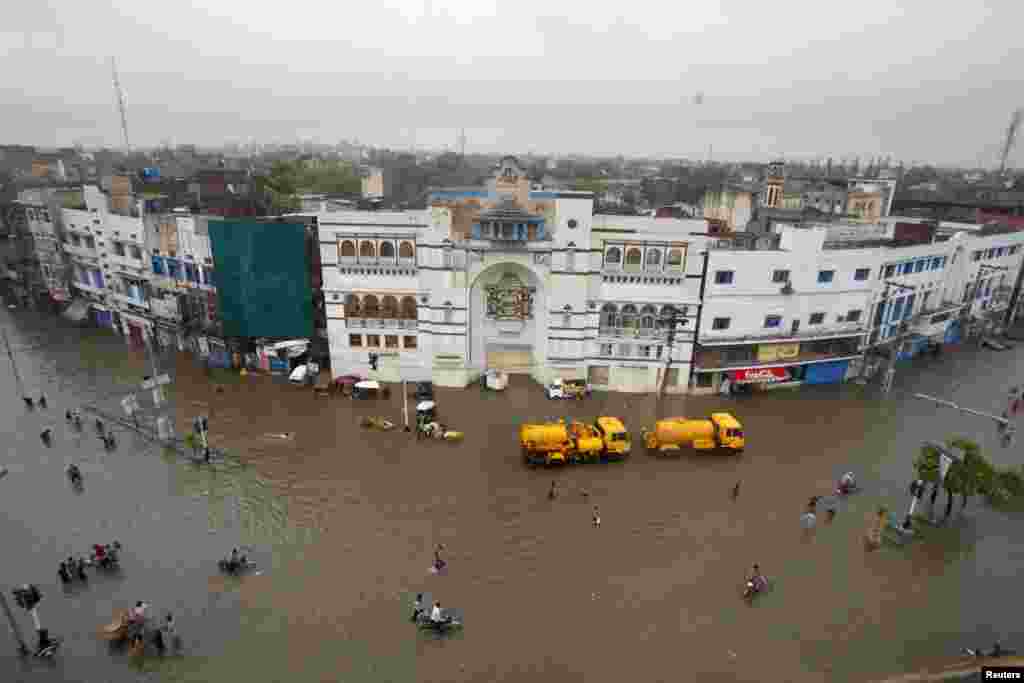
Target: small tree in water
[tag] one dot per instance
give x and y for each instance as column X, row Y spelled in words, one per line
column 191, row 441
column 926, row 464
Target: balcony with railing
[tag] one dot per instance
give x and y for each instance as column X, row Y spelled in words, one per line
column 381, row 323
column 775, row 335
column 123, row 298
column 632, row 332
column 750, row 357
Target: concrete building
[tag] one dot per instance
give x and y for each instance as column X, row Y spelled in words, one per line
column 732, row 205
column 505, row 277
column 815, row 306
column 782, row 316
column 183, row 294
column 35, row 261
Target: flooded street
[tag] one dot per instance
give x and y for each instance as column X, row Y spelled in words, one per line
column 342, row 522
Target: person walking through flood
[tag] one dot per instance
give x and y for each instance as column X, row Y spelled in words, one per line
column 736, row 490
column 597, row 518
column 553, row 492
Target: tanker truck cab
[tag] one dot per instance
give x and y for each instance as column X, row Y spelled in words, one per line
column 617, row 442
column 728, row 431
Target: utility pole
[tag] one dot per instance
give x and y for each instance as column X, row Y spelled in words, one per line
column 674, row 320
column 14, row 364
column 890, row 373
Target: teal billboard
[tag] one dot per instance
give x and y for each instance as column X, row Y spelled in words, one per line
column 263, row 278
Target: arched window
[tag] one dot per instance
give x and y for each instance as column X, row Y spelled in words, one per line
column 613, row 256
column 633, row 257
column 664, row 319
column 387, row 250
column 647, row 317
column 409, row 308
column 629, row 317
column 609, row 316
column 352, row 308
column 675, row 257
column 371, row 308
column 653, row 257
column 405, row 250
column 389, row 307
column 366, row 250
column 348, row 249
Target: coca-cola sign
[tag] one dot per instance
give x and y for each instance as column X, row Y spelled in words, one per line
column 761, row 375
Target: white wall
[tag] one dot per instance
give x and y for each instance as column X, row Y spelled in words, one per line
column 753, row 294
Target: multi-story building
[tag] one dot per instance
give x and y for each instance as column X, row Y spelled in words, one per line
column 109, row 264
column 85, row 245
column 35, row 261
column 183, row 292
column 792, row 313
column 809, row 308
column 505, row 277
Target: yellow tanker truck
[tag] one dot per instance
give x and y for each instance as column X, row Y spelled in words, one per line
column 720, row 431
column 558, row 443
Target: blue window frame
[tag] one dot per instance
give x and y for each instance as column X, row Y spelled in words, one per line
column 862, row 274
column 919, row 266
column 826, row 276
column 158, row 265
column 896, row 312
column 772, row 320
column 723, row 277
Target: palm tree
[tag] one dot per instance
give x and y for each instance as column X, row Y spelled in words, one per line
column 926, row 464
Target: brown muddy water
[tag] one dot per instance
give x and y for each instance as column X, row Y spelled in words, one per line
column 342, row 522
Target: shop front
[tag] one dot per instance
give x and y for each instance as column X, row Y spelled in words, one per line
column 102, row 316
column 754, row 379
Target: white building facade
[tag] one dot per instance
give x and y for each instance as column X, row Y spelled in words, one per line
column 783, row 317
column 512, row 279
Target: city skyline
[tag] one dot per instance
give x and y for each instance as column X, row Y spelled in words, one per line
column 869, row 84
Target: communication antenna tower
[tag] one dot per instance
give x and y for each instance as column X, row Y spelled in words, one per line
column 1011, row 138
column 120, row 103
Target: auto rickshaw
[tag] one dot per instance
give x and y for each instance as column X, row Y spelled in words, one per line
column 370, row 389
column 343, row 385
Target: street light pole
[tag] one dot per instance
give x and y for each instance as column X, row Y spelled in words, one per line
column 14, row 364
column 22, row 647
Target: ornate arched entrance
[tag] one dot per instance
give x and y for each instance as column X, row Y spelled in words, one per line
column 507, row 320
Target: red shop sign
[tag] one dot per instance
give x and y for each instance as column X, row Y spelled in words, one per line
column 760, row 375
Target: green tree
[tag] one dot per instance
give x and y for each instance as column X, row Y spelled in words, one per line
column 329, row 178
column 281, row 187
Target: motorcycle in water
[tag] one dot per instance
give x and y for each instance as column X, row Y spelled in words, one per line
column 754, row 586
column 47, row 646
column 451, row 621
column 235, row 567
column 106, row 556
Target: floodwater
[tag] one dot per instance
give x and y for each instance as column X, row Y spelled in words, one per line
column 342, row 521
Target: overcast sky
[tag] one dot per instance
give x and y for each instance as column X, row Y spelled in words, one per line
column 926, row 81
